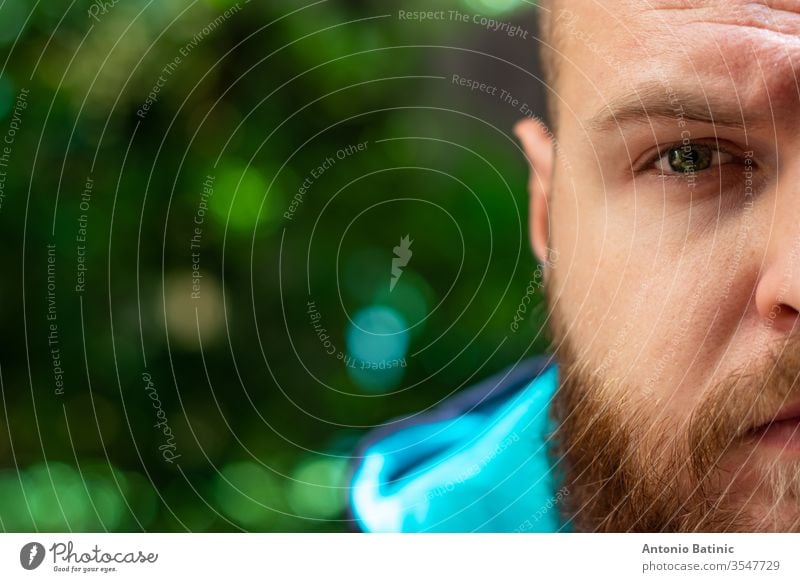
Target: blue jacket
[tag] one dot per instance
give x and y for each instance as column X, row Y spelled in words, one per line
column 477, row 463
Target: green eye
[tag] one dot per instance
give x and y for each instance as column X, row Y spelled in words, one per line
column 690, row 158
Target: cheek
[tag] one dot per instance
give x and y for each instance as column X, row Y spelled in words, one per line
column 699, row 323
column 601, row 279
column 660, row 316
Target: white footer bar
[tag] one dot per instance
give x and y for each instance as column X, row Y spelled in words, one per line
column 401, row 558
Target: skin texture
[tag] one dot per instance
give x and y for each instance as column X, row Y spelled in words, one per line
column 674, row 298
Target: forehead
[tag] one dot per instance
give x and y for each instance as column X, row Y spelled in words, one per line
column 748, row 51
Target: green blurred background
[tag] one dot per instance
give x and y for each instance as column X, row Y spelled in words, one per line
column 161, row 366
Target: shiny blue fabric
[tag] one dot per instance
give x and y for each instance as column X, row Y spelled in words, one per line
column 486, row 469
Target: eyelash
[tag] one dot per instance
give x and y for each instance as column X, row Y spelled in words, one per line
column 662, row 152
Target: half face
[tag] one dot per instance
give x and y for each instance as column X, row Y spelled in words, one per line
column 674, row 210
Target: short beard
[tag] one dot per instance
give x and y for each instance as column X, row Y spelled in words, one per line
column 627, row 471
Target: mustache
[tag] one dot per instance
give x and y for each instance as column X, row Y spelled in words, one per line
column 747, row 399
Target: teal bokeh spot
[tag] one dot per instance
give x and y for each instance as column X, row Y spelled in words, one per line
column 377, row 334
column 377, row 342
column 411, row 298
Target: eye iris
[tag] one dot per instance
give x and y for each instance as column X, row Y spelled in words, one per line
column 690, row 158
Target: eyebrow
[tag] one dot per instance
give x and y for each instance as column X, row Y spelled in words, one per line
column 654, row 100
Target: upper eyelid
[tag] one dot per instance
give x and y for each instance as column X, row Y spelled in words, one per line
column 661, row 151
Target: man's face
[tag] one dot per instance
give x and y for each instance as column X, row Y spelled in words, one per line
column 674, row 211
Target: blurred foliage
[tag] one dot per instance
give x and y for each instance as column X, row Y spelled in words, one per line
column 211, row 402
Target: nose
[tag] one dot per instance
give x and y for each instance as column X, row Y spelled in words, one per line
column 778, row 291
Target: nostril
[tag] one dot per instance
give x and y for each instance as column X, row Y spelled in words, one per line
column 783, row 316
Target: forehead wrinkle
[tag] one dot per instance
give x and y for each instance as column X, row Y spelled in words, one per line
column 758, row 65
column 750, row 69
column 779, row 17
column 733, row 50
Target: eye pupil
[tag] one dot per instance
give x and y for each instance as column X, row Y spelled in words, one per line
column 690, row 158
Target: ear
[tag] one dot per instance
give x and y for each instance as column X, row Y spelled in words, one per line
column 537, row 142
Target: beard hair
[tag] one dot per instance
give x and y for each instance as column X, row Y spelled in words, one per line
column 628, row 468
